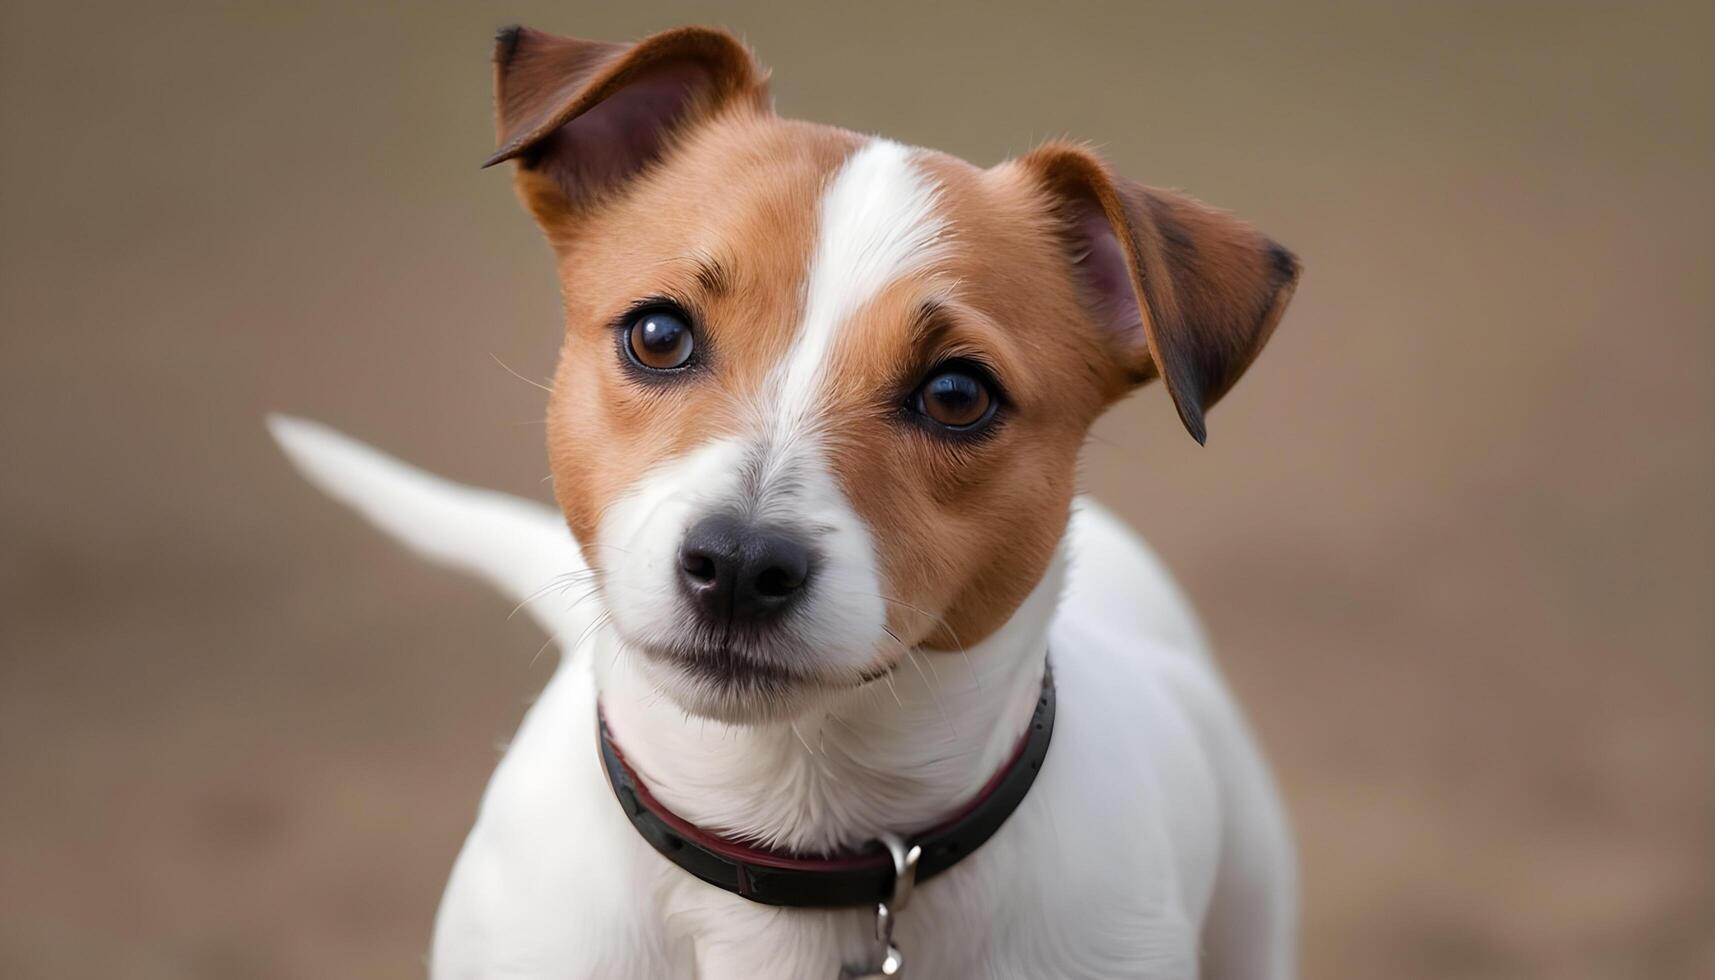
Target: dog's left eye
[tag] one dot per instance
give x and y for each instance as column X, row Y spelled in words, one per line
column 957, row 397
column 660, row 339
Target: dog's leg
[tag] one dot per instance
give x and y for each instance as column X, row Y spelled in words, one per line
column 519, row 546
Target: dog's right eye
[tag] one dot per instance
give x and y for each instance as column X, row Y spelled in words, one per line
column 660, row 339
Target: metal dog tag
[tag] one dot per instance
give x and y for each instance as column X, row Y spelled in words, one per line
column 890, row 969
column 889, row 962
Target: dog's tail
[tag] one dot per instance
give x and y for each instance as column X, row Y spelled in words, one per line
column 519, row 546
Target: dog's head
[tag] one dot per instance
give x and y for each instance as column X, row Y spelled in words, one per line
column 821, row 396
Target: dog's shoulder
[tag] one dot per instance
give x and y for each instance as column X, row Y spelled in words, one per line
column 1148, row 691
column 1117, row 586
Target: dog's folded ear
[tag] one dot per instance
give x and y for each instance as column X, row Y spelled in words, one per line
column 1182, row 291
column 581, row 117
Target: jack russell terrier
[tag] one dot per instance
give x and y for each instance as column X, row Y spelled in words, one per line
column 850, row 675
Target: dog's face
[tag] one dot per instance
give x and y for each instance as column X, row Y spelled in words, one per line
column 821, row 396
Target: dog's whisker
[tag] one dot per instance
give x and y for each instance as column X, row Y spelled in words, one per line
column 595, row 625
column 888, row 677
column 802, row 741
column 543, row 649
column 936, row 674
column 935, row 695
column 941, row 622
column 591, row 581
column 932, row 617
column 587, row 596
column 520, row 377
column 560, row 582
column 617, row 649
column 571, row 651
column 976, row 675
column 933, row 687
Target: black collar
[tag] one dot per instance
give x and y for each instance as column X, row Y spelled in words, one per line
column 845, row 880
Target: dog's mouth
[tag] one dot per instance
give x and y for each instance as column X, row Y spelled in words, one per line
column 736, row 669
column 732, row 665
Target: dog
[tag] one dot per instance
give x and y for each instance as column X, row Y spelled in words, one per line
column 853, row 683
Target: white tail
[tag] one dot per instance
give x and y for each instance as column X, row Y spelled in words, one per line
column 519, row 546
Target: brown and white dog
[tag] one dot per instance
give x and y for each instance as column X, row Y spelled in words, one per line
column 814, row 430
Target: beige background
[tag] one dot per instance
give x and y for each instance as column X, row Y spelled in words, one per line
column 1452, row 535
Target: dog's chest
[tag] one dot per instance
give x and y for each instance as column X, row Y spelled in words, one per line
column 1025, row 931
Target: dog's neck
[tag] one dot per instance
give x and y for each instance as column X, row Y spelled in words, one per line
column 899, row 754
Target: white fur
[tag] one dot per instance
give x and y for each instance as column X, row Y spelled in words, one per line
column 1152, row 845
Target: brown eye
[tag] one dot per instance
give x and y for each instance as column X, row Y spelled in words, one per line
column 660, row 340
column 956, row 398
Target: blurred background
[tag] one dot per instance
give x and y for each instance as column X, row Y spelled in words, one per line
column 1452, row 536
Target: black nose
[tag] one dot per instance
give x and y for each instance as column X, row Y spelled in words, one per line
column 742, row 573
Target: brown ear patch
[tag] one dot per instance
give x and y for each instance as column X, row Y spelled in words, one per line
column 582, row 116
column 1184, row 291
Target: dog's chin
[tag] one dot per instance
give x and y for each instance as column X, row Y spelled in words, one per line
column 738, row 688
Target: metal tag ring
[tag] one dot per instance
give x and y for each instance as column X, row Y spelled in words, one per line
column 904, row 869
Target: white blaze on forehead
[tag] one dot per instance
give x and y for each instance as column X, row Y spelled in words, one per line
column 879, row 221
